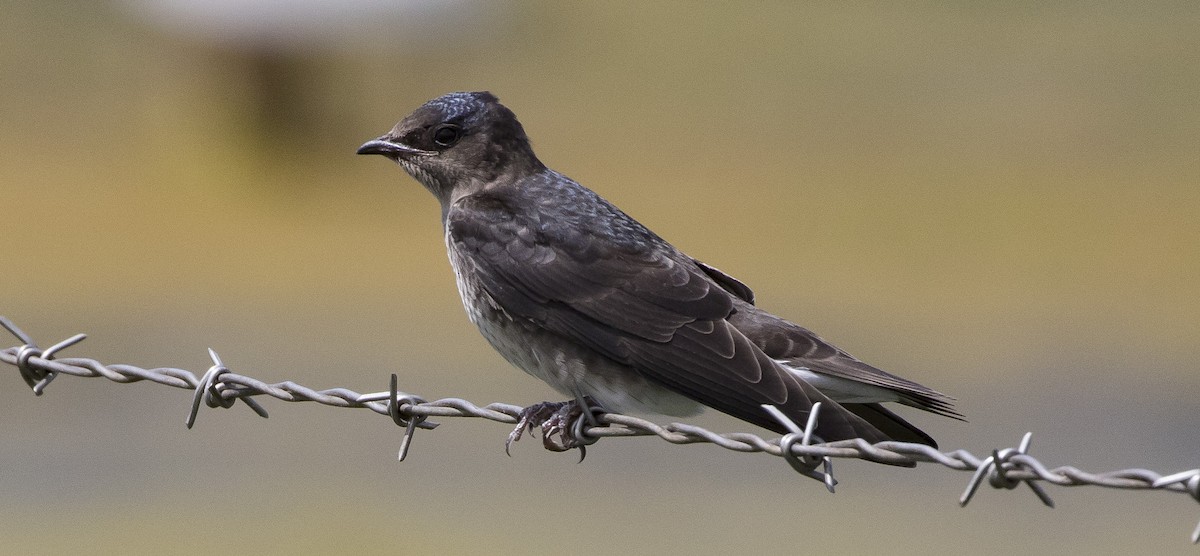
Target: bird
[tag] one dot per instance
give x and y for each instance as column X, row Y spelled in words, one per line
column 575, row 292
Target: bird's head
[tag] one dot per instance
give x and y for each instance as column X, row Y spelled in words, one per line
column 458, row 141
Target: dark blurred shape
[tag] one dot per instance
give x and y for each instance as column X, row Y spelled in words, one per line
column 283, row 56
column 294, row 25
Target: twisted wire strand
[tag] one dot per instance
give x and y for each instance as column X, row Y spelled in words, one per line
column 1005, row 468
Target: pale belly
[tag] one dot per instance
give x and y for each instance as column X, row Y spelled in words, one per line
column 565, row 365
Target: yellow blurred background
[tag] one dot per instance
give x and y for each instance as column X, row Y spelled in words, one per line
column 998, row 200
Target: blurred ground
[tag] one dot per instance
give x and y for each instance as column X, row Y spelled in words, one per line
column 999, row 201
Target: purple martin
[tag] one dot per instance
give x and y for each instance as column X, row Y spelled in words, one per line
column 573, row 291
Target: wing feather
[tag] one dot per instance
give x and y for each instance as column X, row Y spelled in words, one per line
column 637, row 300
column 799, row 347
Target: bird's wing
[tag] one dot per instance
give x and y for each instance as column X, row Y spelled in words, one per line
column 785, row 341
column 727, row 282
column 638, row 301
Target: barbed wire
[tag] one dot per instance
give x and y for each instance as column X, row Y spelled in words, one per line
column 1005, row 468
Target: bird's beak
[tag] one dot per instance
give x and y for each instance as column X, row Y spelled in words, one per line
column 390, row 149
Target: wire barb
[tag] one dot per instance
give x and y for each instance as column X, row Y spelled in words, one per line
column 210, row 387
column 396, row 401
column 1190, row 480
column 996, row 469
column 35, row 377
column 220, row 387
column 804, row 464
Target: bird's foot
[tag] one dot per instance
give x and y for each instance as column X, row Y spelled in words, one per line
column 561, row 423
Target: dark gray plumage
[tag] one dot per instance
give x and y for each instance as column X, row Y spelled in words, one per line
column 575, row 292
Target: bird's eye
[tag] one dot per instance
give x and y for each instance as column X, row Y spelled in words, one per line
column 447, row 135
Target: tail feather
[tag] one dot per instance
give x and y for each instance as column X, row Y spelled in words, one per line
column 889, row 423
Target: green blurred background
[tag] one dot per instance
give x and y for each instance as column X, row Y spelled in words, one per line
column 999, row 200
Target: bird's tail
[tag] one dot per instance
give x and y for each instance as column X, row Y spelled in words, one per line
column 889, row 423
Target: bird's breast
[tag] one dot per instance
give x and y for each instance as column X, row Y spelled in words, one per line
column 567, row 366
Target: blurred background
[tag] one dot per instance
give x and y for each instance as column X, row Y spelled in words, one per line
column 998, row 200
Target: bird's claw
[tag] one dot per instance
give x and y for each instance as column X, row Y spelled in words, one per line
column 561, row 423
